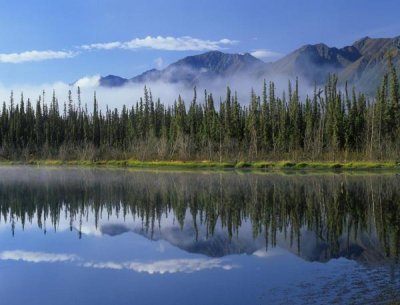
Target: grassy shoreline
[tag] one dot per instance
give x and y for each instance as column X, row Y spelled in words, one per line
column 258, row 165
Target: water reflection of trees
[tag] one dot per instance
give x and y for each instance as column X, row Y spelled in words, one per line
column 332, row 207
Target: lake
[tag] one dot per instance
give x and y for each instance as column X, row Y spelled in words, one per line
column 115, row 236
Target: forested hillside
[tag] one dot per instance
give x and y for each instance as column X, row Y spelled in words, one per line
column 327, row 125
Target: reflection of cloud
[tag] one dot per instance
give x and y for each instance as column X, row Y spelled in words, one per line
column 164, row 266
column 263, row 253
column 157, row 267
column 90, row 229
column 104, row 265
column 37, row 257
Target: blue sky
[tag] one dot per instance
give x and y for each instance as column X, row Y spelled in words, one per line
column 63, row 33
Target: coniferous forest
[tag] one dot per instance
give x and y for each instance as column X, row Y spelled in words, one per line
column 333, row 123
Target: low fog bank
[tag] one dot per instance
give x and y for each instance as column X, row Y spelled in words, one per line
column 131, row 93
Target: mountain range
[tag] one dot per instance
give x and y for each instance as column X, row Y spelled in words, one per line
column 361, row 64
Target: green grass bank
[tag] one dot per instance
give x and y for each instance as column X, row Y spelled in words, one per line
column 263, row 165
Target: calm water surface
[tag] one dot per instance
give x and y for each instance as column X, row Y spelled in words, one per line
column 84, row 236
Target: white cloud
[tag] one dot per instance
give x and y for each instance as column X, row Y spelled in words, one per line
column 185, row 43
column 265, row 54
column 37, row 257
column 35, row 56
column 103, row 46
column 88, row 81
column 169, row 43
column 164, row 266
column 159, row 62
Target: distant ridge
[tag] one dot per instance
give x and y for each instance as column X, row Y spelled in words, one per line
column 362, row 64
column 192, row 70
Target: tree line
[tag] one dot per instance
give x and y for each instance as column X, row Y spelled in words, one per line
column 332, row 123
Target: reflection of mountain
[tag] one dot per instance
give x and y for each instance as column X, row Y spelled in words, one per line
column 216, row 245
column 354, row 217
column 364, row 249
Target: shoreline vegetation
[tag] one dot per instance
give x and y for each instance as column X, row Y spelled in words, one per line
column 333, row 128
column 258, row 165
